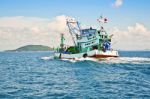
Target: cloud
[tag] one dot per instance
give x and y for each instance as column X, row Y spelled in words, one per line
column 132, row 38
column 117, row 3
column 138, row 28
column 19, row 31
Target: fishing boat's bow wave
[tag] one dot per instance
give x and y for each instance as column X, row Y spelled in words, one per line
column 133, row 60
column 47, row 57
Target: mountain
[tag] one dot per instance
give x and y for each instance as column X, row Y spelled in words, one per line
column 33, row 48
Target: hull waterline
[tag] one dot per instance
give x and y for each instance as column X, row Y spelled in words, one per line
column 92, row 54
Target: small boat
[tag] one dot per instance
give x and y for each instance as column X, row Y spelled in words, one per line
column 88, row 42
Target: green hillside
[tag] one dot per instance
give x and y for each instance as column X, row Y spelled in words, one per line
column 33, row 48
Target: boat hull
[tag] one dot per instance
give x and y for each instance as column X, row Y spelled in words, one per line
column 93, row 54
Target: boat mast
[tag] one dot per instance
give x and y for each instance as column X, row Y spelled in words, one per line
column 62, row 41
column 74, row 29
column 102, row 21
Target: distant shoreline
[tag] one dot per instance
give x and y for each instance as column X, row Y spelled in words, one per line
column 31, row 48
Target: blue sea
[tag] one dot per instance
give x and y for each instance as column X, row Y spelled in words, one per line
column 35, row 75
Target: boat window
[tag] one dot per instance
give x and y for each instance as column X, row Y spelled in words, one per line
column 88, row 31
column 95, row 47
column 109, row 40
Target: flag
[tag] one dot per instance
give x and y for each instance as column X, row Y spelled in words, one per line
column 102, row 20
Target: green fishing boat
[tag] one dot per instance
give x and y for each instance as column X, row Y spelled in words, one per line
column 88, row 42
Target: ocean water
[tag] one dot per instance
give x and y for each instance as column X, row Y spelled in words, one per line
column 36, row 75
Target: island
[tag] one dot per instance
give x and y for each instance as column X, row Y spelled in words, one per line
column 32, row 48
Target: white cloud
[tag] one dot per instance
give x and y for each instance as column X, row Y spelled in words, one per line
column 138, row 28
column 133, row 38
column 118, row 3
column 19, row 31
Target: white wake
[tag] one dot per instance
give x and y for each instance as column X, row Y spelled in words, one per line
column 47, row 57
column 135, row 60
column 81, row 59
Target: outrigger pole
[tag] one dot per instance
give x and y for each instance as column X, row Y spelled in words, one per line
column 70, row 31
column 74, row 29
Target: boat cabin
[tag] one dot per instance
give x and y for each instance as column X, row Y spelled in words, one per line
column 93, row 39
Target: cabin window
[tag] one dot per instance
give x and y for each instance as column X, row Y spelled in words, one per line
column 95, row 47
column 109, row 40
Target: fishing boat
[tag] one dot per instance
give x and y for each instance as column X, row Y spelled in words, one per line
column 88, row 42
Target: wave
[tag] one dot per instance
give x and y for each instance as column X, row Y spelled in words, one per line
column 135, row 60
column 71, row 60
column 132, row 60
column 47, row 57
column 81, row 59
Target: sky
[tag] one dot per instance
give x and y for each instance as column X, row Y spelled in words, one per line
column 40, row 22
